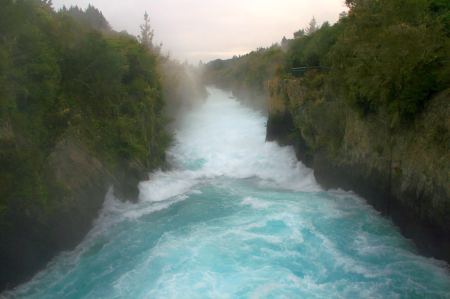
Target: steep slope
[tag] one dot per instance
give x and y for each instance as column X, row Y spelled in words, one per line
column 403, row 172
column 80, row 111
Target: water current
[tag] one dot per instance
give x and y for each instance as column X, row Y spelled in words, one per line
column 238, row 217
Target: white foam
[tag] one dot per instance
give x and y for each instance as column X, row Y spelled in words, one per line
column 255, row 203
column 229, row 139
column 165, row 185
column 225, row 255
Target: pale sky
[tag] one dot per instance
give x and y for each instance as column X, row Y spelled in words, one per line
column 196, row 30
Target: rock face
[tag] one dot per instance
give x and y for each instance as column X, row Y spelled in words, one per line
column 403, row 172
column 79, row 184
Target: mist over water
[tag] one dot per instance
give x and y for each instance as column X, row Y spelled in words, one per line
column 237, row 217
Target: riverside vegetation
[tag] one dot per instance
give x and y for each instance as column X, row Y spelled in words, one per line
column 372, row 113
column 81, row 109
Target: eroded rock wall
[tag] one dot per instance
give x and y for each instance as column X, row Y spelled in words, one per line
column 402, row 171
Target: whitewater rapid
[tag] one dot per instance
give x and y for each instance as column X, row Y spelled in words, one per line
column 238, row 217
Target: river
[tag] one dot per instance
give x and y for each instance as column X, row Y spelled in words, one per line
column 237, row 217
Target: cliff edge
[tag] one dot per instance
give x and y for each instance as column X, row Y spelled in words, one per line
column 402, row 171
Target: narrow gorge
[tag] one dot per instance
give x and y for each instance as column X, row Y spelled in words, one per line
column 232, row 221
column 161, row 157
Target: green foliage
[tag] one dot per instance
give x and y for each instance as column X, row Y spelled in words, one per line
column 393, row 54
column 59, row 79
column 249, row 71
column 387, row 56
column 90, row 17
column 312, row 49
column 146, row 36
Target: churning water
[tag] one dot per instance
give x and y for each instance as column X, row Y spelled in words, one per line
column 238, row 218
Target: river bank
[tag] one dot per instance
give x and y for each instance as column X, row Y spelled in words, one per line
column 81, row 110
column 402, row 173
column 238, row 217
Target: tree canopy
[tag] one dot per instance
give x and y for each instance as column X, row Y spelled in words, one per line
column 63, row 77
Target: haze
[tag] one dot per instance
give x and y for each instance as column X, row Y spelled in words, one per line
column 196, row 30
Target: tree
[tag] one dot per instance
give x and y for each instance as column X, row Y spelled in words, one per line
column 146, row 36
column 299, row 34
column 392, row 56
column 284, row 43
column 91, row 17
column 312, row 27
column 95, row 19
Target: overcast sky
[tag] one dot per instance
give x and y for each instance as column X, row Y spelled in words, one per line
column 196, row 30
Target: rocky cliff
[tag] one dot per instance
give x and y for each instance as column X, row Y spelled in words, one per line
column 77, row 182
column 403, row 171
column 81, row 109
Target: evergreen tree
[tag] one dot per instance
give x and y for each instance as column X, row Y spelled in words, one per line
column 312, row 27
column 146, row 36
column 299, row 34
column 91, row 17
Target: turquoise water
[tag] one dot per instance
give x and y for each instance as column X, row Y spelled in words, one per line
column 238, row 218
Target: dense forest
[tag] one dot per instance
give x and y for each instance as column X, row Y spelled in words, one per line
column 246, row 75
column 361, row 100
column 381, row 55
column 86, row 110
column 80, row 109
